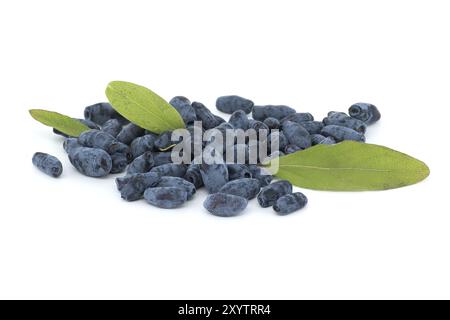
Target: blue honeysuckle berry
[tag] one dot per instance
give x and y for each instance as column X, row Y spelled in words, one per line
column 48, row 164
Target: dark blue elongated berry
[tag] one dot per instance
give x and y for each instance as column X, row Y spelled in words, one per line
column 102, row 112
column 120, row 155
column 130, row 132
column 214, row 176
column 219, row 120
column 271, row 193
column 230, row 104
column 178, row 183
column 342, row 133
column 279, row 112
column 207, row 118
column 260, row 174
column 140, row 145
column 272, row 123
column 316, row 139
column 290, row 148
column 87, row 123
column 170, row 169
column 296, row 134
column 91, row 162
column 313, row 127
column 166, row 197
column 225, row 205
column 184, row 108
column 96, row 139
column 342, row 119
column 70, row 144
column 320, row 139
column 161, row 158
column 290, row 203
column 239, row 120
column 141, row 164
column 132, row 186
column 244, row 187
column 194, row 175
column 365, row 112
column 164, row 140
column 48, row 164
column 238, row 171
column 298, row 117
column 112, row 127
column 328, row 140
column 282, row 140
column 241, row 153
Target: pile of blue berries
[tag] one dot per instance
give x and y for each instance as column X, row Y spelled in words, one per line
column 115, row 145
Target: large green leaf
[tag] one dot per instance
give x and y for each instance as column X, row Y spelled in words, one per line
column 143, row 107
column 351, row 166
column 65, row 124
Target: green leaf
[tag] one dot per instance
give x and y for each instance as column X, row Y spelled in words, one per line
column 143, row 107
column 65, row 124
column 351, row 166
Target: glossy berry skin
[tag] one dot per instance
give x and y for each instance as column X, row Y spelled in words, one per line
column 214, row 176
column 194, row 175
column 112, row 127
column 261, row 113
column 140, row 145
column 339, row 133
column 298, row 117
column 271, row 193
column 87, row 123
column 365, row 112
column 244, row 187
column 91, row 162
column 230, row 104
column 170, row 169
column 239, row 120
column 208, row 119
column 238, row 171
column 258, row 173
column 48, row 164
column 102, row 112
column 164, row 141
column 313, row 127
column 178, row 183
column 272, row 123
column 290, row 148
column 184, row 108
column 166, row 197
column 130, row 132
column 290, row 203
column 342, row 119
column 143, row 163
column 296, row 134
column 225, row 205
column 132, row 186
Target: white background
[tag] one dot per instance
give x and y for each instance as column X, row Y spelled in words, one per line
column 74, row 237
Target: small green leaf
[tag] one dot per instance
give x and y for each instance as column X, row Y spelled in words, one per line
column 351, row 166
column 65, row 124
column 143, row 107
